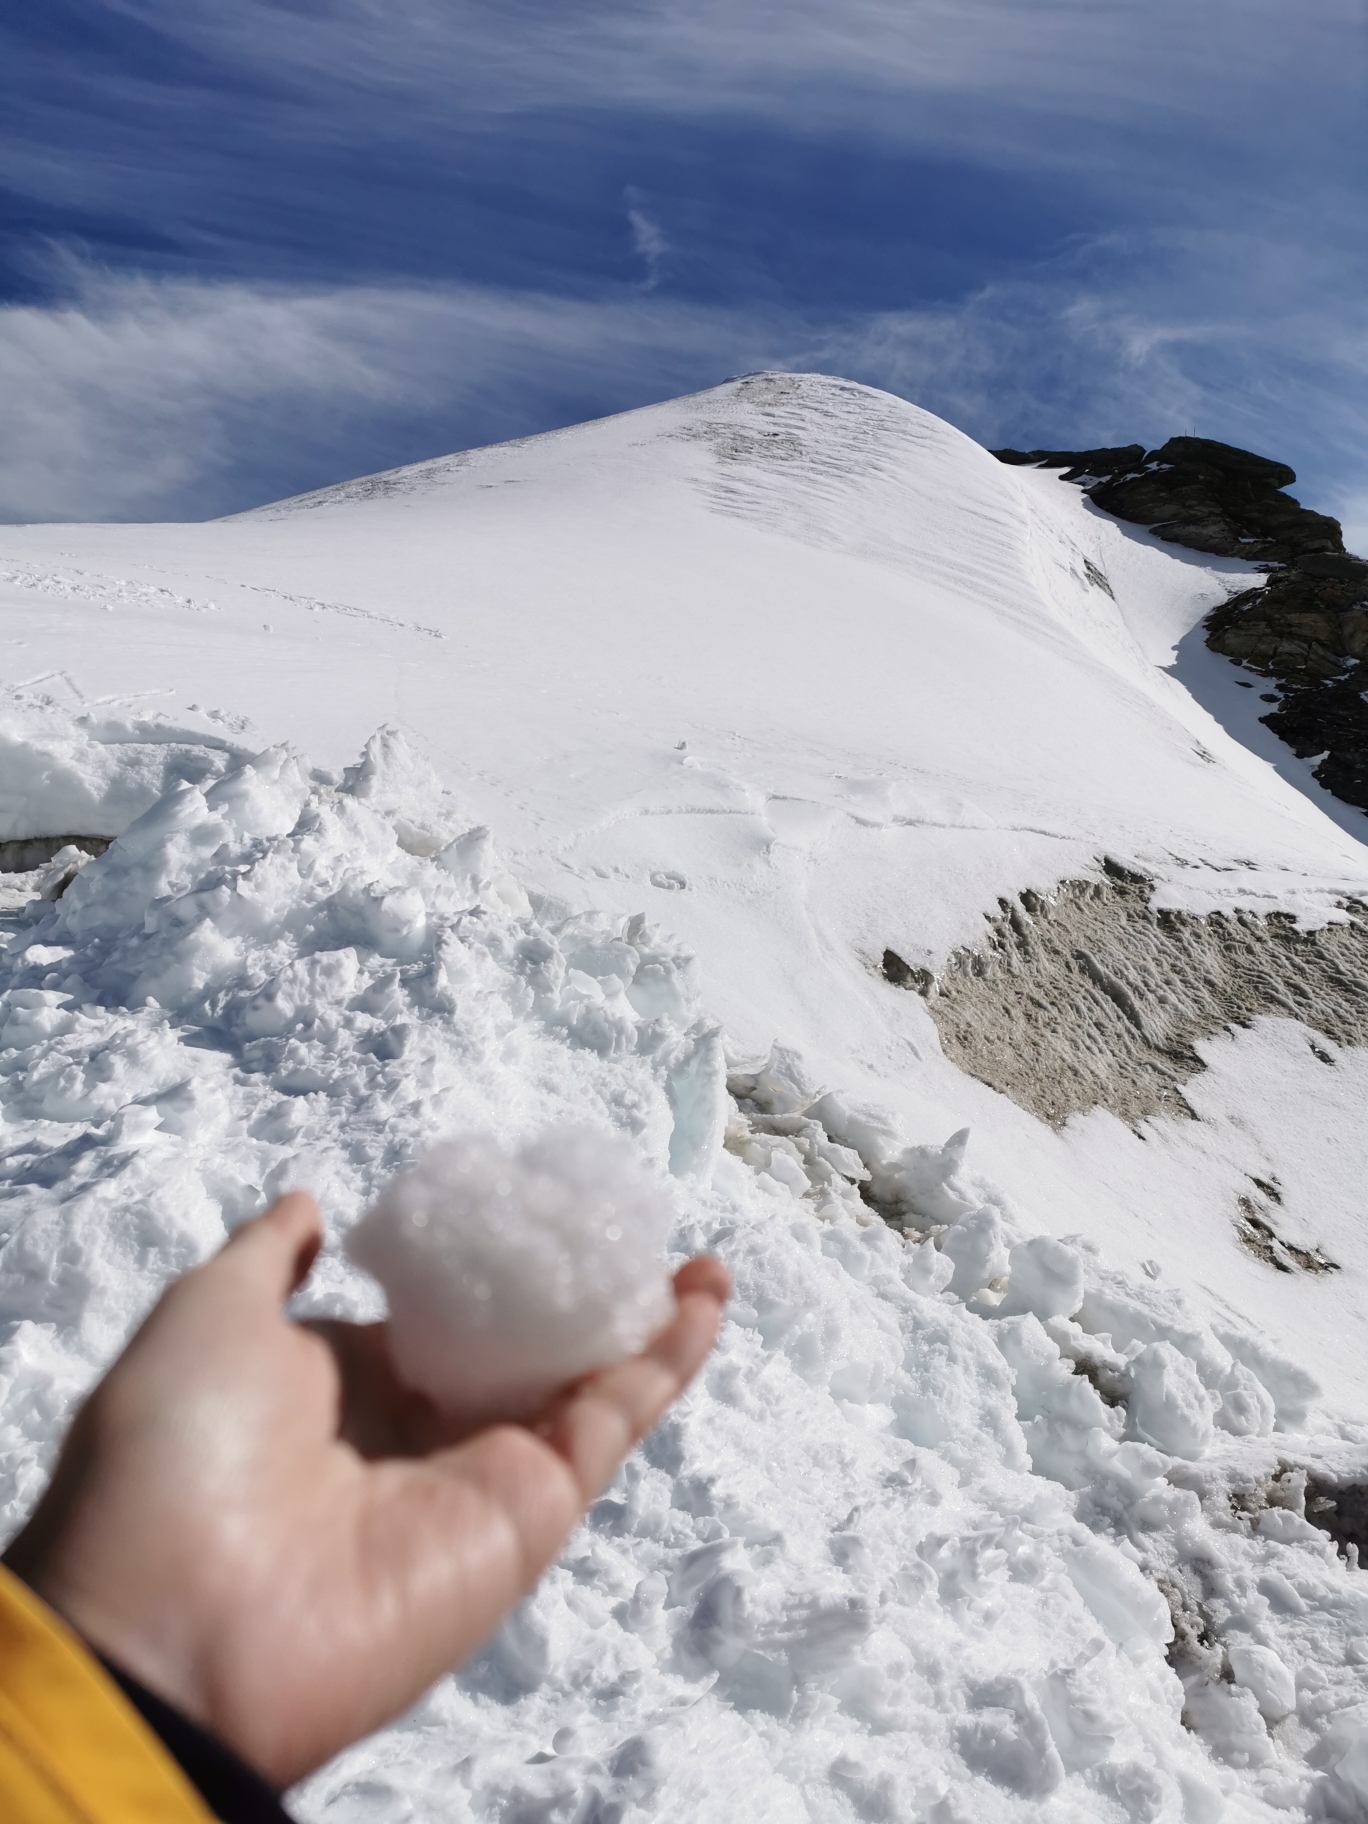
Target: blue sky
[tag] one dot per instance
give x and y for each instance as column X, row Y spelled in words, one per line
column 247, row 250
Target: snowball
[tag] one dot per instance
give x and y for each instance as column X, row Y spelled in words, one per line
column 509, row 1274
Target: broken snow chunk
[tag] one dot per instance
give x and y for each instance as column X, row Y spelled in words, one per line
column 1063, row 1417
column 295, row 994
column 1292, row 1390
column 395, row 923
column 1227, row 1719
column 1260, row 1670
column 509, row 1274
column 867, row 1131
column 1247, row 1409
column 400, row 786
column 1169, row 1406
column 926, row 1269
column 1083, row 1727
column 134, row 1125
column 264, row 797
column 977, row 1248
column 1352, row 1766
column 784, row 1165
column 1122, row 1599
column 1007, row 1739
column 696, row 1089
column 1046, row 1279
column 93, row 776
column 780, row 1086
column 926, row 1184
column 474, row 863
column 28, row 1016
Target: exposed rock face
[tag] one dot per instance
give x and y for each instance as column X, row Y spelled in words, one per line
column 1306, row 628
column 1207, row 496
column 1081, row 465
column 1309, row 631
column 1090, row 997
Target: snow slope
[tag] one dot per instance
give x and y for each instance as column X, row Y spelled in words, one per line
column 748, row 687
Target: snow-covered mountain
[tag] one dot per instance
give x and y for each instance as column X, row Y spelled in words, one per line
column 776, row 777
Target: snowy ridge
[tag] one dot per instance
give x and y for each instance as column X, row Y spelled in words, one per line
column 992, row 1504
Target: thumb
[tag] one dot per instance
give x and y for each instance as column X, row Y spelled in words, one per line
column 274, row 1251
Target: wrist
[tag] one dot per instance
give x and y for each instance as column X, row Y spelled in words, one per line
column 123, row 1634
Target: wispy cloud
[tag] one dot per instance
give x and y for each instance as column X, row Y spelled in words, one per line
column 142, row 399
column 648, row 237
column 1074, row 58
column 349, row 234
column 147, row 399
column 1192, row 110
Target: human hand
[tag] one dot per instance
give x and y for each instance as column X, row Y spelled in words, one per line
column 260, row 1524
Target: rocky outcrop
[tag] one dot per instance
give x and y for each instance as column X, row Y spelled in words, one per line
column 1306, row 628
column 1309, row 632
column 1080, row 465
column 1092, row 997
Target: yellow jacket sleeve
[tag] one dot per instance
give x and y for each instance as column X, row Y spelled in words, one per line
column 73, row 1750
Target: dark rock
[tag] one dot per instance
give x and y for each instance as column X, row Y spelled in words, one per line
column 1306, row 627
column 1206, row 453
column 1296, row 625
column 903, row 975
column 1211, row 497
column 1196, row 492
column 1330, row 719
column 24, row 853
column 1308, row 630
column 1117, row 460
column 1340, row 1509
column 1331, row 563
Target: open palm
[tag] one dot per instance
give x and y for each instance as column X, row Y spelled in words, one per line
column 254, row 1519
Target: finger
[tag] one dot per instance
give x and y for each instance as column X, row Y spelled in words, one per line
column 595, row 1427
column 704, row 1273
column 277, row 1249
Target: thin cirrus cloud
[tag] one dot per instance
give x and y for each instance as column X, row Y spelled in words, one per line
column 1073, row 58
column 143, row 398
column 648, row 237
column 249, row 249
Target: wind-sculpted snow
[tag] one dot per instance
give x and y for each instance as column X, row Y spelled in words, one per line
column 93, row 775
column 960, row 1523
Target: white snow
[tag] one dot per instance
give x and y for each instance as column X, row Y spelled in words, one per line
column 698, row 710
column 508, row 1274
